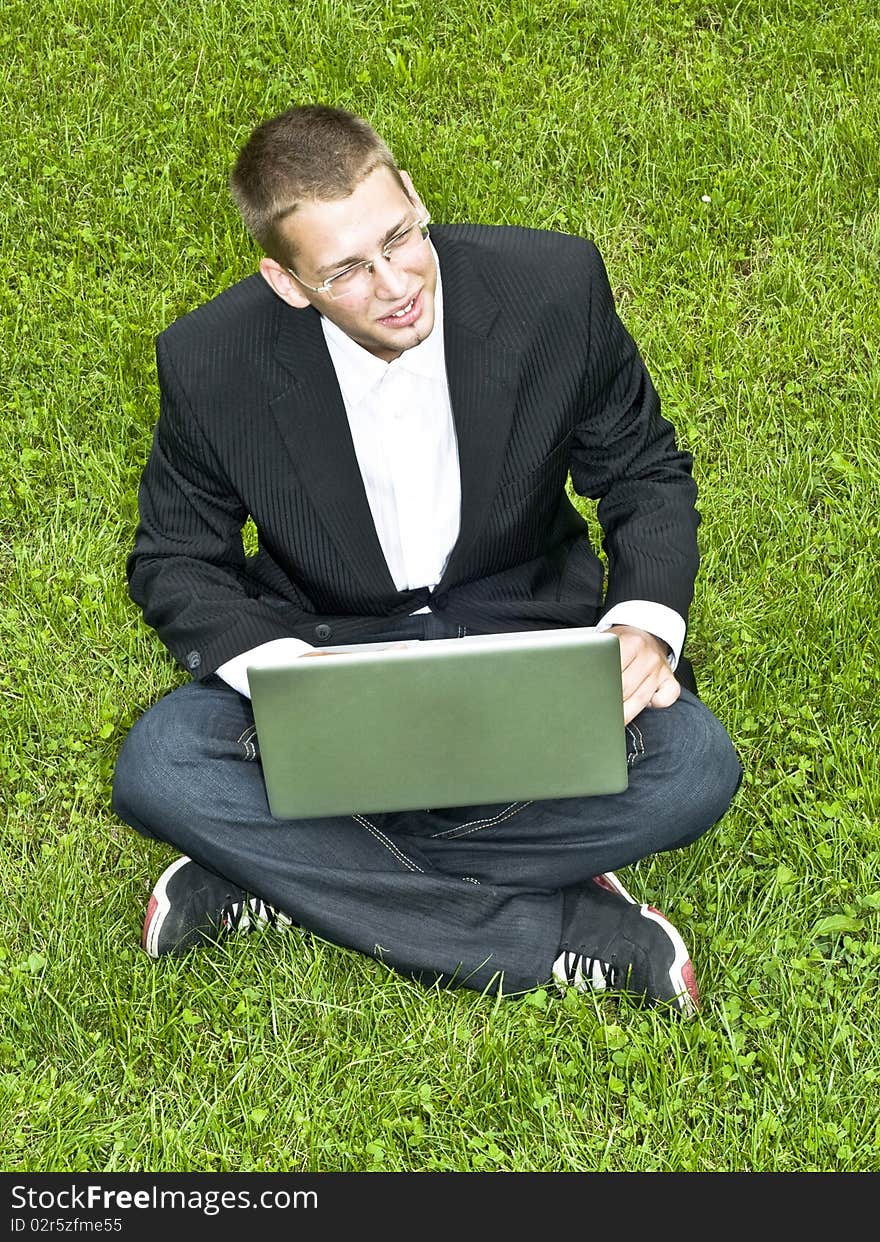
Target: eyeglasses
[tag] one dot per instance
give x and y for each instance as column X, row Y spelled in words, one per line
column 355, row 280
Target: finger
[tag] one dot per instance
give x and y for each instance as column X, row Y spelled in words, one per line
column 649, row 693
column 638, row 675
column 666, row 693
column 628, row 652
column 637, row 702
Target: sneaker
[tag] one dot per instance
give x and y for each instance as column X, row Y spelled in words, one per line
column 613, row 944
column 191, row 906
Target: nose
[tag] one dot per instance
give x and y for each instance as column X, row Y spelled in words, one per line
column 389, row 282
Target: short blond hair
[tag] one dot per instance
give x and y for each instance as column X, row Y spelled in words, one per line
column 310, row 152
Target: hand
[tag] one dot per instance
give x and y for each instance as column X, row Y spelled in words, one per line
column 648, row 681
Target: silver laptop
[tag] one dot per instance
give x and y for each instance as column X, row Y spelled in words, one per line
column 451, row 722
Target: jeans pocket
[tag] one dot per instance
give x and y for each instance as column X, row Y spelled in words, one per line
column 480, row 823
column 635, row 745
column 249, row 744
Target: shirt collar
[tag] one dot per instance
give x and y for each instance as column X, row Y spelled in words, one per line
column 358, row 371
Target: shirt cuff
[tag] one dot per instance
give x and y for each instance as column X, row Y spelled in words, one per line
column 267, row 655
column 664, row 623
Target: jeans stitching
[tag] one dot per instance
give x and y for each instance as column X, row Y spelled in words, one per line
column 474, row 825
column 638, row 742
column 247, row 742
column 384, row 840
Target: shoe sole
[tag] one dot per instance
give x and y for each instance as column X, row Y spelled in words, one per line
column 681, row 972
column 158, row 908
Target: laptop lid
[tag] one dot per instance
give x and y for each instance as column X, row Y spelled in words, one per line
column 449, row 722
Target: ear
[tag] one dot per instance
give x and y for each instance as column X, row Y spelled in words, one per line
column 281, row 282
column 412, row 193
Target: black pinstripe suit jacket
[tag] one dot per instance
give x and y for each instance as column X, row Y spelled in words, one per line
column 544, row 380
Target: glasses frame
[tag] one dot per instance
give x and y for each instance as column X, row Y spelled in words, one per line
column 369, row 265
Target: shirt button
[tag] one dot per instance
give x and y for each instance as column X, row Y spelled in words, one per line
column 193, row 660
column 323, row 632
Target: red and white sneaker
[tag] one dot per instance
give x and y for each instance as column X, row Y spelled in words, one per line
column 612, row 943
column 191, row 906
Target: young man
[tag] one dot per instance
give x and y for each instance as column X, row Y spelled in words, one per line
column 398, row 408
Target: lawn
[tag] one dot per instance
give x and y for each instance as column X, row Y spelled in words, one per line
column 724, row 158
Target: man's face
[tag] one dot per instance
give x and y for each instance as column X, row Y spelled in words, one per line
column 327, row 236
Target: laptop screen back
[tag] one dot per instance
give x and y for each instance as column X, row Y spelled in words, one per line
column 451, row 722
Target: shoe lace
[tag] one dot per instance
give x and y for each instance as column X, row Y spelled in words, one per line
column 249, row 913
column 589, row 973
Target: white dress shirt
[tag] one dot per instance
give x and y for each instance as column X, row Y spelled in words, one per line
column 400, row 418
column 401, row 423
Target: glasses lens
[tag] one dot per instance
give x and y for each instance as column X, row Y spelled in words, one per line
column 401, row 240
column 354, row 281
column 349, row 283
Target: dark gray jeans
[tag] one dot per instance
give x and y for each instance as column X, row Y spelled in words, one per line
column 469, row 895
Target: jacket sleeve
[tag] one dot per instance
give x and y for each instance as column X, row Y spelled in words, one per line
column 624, row 454
column 187, row 568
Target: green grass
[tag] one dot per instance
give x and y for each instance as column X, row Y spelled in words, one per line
column 757, row 312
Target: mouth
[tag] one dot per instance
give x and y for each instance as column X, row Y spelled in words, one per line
column 405, row 314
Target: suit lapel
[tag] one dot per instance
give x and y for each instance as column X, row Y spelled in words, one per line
column 312, row 420
column 482, row 378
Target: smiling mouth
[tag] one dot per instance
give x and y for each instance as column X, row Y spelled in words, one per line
column 406, row 315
